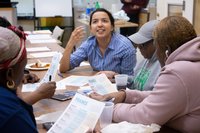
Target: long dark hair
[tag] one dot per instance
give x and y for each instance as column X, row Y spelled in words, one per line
column 112, row 21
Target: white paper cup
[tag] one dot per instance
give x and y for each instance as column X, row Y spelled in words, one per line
column 121, row 81
column 106, row 116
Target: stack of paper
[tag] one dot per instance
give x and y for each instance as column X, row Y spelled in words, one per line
column 37, row 49
column 42, row 32
column 41, row 38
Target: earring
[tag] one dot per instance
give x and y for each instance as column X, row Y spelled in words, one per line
column 10, row 84
column 167, row 53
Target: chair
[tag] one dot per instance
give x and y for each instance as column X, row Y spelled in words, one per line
column 57, row 33
column 65, row 37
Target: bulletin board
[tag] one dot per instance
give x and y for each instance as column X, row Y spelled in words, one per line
column 52, row 8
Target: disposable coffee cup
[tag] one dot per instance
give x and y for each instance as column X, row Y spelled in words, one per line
column 106, row 116
column 121, row 81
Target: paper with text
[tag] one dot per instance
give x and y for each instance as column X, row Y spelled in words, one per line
column 101, row 84
column 72, row 81
column 52, row 71
column 80, row 115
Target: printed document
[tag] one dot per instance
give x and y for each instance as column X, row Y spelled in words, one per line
column 101, row 84
column 50, row 73
column 80, row 115
column 98, row 83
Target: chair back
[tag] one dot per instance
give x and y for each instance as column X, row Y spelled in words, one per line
column 57, row 33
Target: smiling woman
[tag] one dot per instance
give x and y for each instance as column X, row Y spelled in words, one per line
column 105, row 49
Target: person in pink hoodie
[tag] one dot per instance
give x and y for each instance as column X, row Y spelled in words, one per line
column 175, row 99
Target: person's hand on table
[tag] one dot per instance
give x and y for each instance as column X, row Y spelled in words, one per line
column 30, row 78
column 46, row 90
column 118, row 97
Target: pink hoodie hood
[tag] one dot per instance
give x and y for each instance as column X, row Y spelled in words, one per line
column 189, row 51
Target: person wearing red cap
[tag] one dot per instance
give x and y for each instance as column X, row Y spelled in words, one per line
column 16, row 114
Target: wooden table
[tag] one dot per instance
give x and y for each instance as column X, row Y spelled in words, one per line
column 49, row 105
column 118, row 24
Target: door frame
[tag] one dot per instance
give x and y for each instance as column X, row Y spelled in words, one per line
column 188, row 8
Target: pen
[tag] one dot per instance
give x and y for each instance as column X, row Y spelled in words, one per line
column 59, row 74
column 49, row 77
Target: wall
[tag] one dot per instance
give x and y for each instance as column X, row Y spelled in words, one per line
column 28, row 25
column 197, row 16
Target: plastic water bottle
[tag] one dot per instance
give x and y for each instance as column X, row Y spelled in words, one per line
column 88, row 9
column 97, row 5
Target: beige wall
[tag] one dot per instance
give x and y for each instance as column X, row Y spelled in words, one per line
column 197, row 16
column 28, row 25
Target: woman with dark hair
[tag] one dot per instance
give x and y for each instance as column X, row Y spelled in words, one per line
column 105, row 49
column 174, row 100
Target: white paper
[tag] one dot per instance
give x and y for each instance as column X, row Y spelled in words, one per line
column 101, row 84
column 41, row 32
column 50, row 72
column 39, row 37
column 30, row 87
column 44, row 41
column 72, row 81
column 84, row 63
column 28, row 32
column 37, row 49
column 81, row 115
column 42, row 54
column 98, row 83
column 85, row 90
column 49, row 117
column 126, row 127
